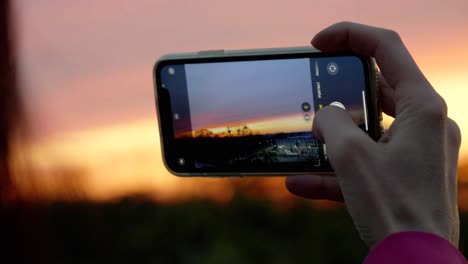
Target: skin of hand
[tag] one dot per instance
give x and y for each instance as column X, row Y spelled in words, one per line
column 407, row 181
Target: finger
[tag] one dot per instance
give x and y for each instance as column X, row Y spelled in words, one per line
column 394, row 60
column 315, row 187
column 386, row 96
column 346, row 143
column 454, row 134
column 453, row 148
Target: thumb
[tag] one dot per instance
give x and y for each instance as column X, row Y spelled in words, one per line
column 347, row 145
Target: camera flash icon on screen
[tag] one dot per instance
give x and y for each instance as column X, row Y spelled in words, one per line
column 171, row 71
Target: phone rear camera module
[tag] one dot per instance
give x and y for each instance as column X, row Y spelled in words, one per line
column 332, row 68
column 181, row 161
column 171, row 71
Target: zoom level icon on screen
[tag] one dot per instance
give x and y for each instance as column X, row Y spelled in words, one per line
column 305, row 107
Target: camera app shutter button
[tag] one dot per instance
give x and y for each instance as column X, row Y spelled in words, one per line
column 338, row 104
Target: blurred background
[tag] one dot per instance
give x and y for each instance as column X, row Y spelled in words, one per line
column 87, row 165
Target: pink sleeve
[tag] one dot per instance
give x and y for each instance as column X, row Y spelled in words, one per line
column 414, row 247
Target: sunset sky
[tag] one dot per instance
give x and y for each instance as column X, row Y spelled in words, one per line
column 263, row 88
column 85, row 72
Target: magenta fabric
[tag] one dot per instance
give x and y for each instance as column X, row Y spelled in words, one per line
column 414, row 247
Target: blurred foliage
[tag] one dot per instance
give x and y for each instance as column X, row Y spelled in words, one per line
column 138, row 230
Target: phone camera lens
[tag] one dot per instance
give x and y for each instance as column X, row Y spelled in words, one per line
column 332, row 68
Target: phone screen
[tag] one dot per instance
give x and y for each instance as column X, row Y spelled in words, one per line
column 255, row 115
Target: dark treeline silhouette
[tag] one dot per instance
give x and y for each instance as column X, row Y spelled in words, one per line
column 233, row 131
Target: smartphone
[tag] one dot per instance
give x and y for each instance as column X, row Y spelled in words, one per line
column 250, row 112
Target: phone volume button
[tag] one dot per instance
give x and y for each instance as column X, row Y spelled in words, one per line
column 211, row 51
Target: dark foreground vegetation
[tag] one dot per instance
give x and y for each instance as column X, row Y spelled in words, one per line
column 137, row 230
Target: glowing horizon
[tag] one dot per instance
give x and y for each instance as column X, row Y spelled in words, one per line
column 263, row 126
column 108, row 155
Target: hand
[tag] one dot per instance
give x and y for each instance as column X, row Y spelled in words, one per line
column 408, row 179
